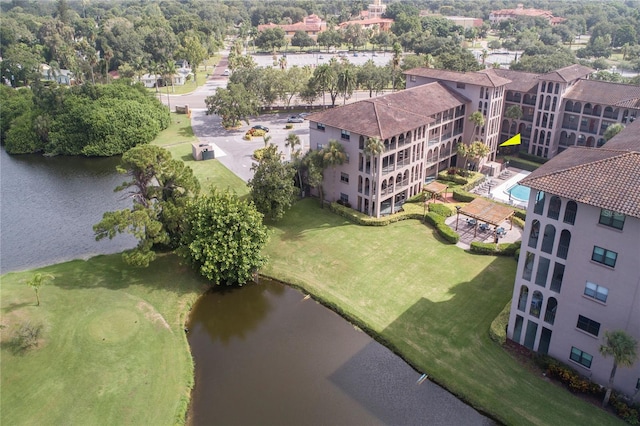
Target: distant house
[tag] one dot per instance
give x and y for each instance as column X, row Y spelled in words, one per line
column 179, row 78
column 312, row 25
column 497, row 16
column 61, row 76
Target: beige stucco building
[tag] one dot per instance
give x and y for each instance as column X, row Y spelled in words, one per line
column 579, row 268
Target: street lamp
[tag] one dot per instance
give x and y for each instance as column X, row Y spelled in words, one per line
column 458, row 218
column 490, row 187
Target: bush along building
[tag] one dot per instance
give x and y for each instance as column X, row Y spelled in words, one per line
column 578, row 273
column 421, row 126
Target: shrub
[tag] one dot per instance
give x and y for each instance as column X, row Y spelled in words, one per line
column 463, row 196
column 26, row 337
column 258, row 153
column 518, row 222
column 443, row 229
column 498, row 329
column 503, row 249
column 445, row 176
column 440, row 209
column 362, row 219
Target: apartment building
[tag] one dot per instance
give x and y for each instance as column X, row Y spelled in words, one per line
column 563, row 108
column 498, row 16
column 419, row 127
column 578, row 273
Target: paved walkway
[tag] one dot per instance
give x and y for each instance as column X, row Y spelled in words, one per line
column 468, row 234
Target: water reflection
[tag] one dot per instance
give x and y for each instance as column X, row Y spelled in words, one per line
column 266, row 355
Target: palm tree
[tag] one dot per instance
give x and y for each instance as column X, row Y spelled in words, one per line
column 624, row 349
column 291, row 142
column 322, row 76
column 347, row 82
column 333, row 155
column 37, row 281
column 514, row 112
column 395, row 62
column 266, row 138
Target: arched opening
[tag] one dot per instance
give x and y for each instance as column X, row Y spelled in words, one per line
column 548, row 238
column 568, row 106
column 550, row 312
column 536, row 304
column 570, row 212
column 535, row 232
column 366, row 186
column 538, row 208
column 553, row 212
column 563, row 244
column 505, row 126
column 577, row 107
column 360, row 184
column 361, row 142
column 597, row 110
column 522, row 299
column 543, row 88
column 591, row 142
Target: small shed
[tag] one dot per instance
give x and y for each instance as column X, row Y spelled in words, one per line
column 202, row 151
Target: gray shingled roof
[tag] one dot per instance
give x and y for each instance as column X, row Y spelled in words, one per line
column 520, row 81
column 567, row 74
column 391, row 114
column 486, row 78
column 600, row 177
column 605, row 93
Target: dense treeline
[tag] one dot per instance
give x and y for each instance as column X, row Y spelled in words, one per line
column 91, row 120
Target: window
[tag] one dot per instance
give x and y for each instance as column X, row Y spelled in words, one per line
column 543, row 271
column 539, row 205
column 460, row 86
column 344, row 198
column 581, row 357
column 345, row 135
column 320, row 126
column 604, row 256
column 344, row 177
column 596, row 291
column 611, row 218
column 588, row 325
column 558, row 275
column 413, row 78
column 570, row 212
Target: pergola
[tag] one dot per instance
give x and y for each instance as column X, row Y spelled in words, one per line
column 436, row 188
column 487, row 211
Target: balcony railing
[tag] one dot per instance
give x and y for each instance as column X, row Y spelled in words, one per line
column 569, row 126
column 433, row 141
column 388, row 169
column 402, row 183
column 402, row 163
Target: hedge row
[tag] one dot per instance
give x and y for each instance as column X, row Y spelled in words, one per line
column 362, row 219
column 498, row 329
column 441, row 209
column 463, row 196
column 452, row 178
column 502, row 249
column 443, row 229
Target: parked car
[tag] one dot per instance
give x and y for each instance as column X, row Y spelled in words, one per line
column 226, row 72
column 261, row 127
column 303, row 114
column 295, row 119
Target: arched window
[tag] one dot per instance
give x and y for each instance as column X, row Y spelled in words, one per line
column 360, row 184
column 570, row 212
column 568, row 106
column 505, row 126
column 547, row 239
column 366, row 186
column 361, row 142
column 557, row 89
column 535, row 232
column 538, row 208
column 550, row 88
column 577, row 107
column 536, row 304
column 597, row 110
column 550, row 312
column 522, row 299
column 541, row 102
column 543, row 88
column 563, row 244
column 553, row 211
column 528, row 266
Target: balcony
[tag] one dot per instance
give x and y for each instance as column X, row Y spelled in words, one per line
column 528, row 118
column 402, row 163
column 402, row 183
column 433, row 141
column 388, row 169
column 569, row 126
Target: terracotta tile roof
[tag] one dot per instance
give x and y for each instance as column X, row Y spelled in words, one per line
column 600, row 177
column 486, row 78
column 606, row 93
column 487, row 211
column 567, row 74
column 391, row 114
column 627, row 140
column 520, row 81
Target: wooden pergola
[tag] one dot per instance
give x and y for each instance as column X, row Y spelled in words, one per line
column 483, row 210
column 435, row 189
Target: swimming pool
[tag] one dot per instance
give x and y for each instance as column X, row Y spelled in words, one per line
column 519, row 192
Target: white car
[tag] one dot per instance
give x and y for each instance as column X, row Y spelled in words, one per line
column 226, row 72
column 295, row 119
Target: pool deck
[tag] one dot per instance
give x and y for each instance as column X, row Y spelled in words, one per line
column 500, row 185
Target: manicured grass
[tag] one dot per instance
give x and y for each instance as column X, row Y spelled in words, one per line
column 432, row 302
column 113, row 349
column 178, row 139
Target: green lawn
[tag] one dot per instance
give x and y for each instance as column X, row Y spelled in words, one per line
column 432, row 302
column 113, row 350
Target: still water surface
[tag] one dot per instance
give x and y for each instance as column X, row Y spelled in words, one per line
column 265, row 355
column 48, row 206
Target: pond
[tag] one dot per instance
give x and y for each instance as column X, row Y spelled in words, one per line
column 266, row 354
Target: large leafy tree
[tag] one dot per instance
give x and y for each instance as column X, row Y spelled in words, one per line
column 234, row 104
column 224, row 237
column 302, row 39
column 330, row 38
column 194, row 52
column 347, row 81
column 333, row 155
column 160, row 188
column 271, row 39
column 623, row 348
column 372, row 77
column 272, row 187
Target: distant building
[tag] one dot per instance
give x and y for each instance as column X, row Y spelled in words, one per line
column 463, row 21
column 578, row 273
column 378, row 24
column 312, row 25
column 61, row 76
column 375, row 10
column 497, row 16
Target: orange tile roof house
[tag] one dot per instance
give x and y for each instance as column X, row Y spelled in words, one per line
column 312, row 25
column 505, row 14
column 578, row 272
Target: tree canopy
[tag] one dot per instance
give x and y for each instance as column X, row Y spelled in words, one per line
column 272, row 186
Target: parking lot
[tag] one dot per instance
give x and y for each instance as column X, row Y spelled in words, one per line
column 315, row 59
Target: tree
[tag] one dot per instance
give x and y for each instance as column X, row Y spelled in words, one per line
column 612, row 130
column 374, row 147
column 514, row 112
column 302, row 39
column 37, row 281
column 372, row 77
column 333, row 155
column 223, row 238
column 194, row 52
column 624, row 350
column 347, row 82
column 272, row 187
column 478, row 121
column 160, row 188
column 395, row 63
column 234, row 104
column 270, row 39
column 354, row 35
column 330, row 38
column 325, row 78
